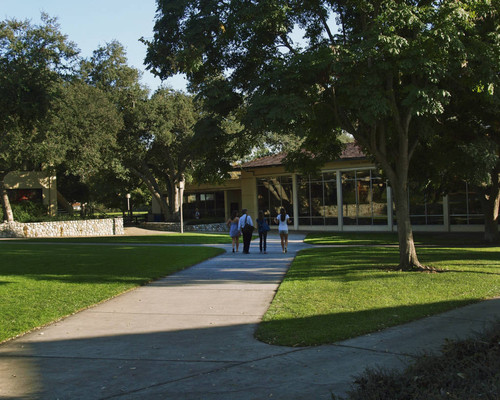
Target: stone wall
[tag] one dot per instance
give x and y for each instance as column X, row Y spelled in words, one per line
column 176, row 227
column 88, row 227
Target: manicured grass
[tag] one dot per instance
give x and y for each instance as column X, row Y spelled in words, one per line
column 387, row 238
column 331, row 294
column 42, row 283
column 170, row 238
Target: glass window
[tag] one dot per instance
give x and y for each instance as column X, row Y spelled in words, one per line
column 304, row 199
column 364, row 195
column 349, row 198
column 317, row 196
column 22, row 195
column 425, row 209
column 317, row 199
column 465, row 205
column 208, row 204
column 379, row 200
column 330, row 200
column 274, row 193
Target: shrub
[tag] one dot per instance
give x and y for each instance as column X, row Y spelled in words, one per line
column 27, row 211
column 467, row 369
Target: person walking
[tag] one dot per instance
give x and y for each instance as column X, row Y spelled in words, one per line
column 234, row 229
column 283, row 219
column 263, row 228
column 246, row 227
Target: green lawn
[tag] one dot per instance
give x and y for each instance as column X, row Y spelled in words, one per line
column 168, row 238
column 385, row 238
column 42, row 283
column 331, row 294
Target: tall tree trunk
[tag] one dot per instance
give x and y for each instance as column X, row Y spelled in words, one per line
column 153, row 187
column 408, row 259
column 171, row 193
column 8, row 215
column 490, row 203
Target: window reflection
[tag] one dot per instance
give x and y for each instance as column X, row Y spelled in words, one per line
column 273, row 193
column 364, row 195
column 465, row 205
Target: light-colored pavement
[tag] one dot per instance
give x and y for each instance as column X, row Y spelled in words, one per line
column 190, row 336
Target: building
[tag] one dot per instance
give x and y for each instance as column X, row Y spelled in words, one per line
column 36, row 186
column 349, row 194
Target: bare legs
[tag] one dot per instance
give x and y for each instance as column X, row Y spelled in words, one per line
column 284, row 241
column 236, row 241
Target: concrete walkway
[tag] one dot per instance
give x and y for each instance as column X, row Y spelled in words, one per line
column 190, row 336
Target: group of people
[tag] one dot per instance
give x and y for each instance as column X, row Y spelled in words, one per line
column 243, row 226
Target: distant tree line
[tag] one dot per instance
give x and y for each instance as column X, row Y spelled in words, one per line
column 92, row 122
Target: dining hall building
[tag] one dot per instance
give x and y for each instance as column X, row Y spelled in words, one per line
column 349, row 194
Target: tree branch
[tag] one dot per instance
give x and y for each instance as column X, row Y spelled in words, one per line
column 327, row 29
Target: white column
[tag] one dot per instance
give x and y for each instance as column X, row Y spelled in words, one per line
column 340, row 201
column 181, row 194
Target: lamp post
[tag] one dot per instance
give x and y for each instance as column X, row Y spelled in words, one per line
column 181, row 193
column 128, row 203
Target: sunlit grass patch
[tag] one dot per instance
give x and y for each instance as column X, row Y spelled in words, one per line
column 166, row 238
column 331, row 294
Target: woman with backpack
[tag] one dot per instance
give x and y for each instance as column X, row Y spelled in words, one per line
column 263, row 228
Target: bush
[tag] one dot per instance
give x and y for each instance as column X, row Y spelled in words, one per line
column 27, row 211
column 468, row 369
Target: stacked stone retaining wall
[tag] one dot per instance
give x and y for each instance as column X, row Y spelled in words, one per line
column 176, row 227
column 88, row 227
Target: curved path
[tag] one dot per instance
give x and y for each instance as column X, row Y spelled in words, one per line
column 190, row 336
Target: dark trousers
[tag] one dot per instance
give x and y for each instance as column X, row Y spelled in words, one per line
column 247, row 238
column 262, row 241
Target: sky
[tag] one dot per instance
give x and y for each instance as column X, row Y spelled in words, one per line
column 92, row 23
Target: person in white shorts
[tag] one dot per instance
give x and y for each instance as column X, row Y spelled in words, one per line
column 283, row 219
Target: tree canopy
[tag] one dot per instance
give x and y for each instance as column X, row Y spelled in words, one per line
column 34, row 60
column 378, row 70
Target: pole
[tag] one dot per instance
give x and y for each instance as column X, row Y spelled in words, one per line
column 181, row 193
column 128, row 204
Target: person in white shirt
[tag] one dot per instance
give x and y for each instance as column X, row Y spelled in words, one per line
column 283, row 219
column 247, row 235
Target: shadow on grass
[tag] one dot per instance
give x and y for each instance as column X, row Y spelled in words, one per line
column 98, row 264
column 470, row 239
column 356, row 264
column 172, row 238
column 330, row 328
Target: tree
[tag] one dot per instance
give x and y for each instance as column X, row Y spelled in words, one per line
column 33, row 61
column 107, row 70
column 172, row 148
column 473, row 115
column 88, row 122
column 380, row 78
column 159, row 142
column 466, row 143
